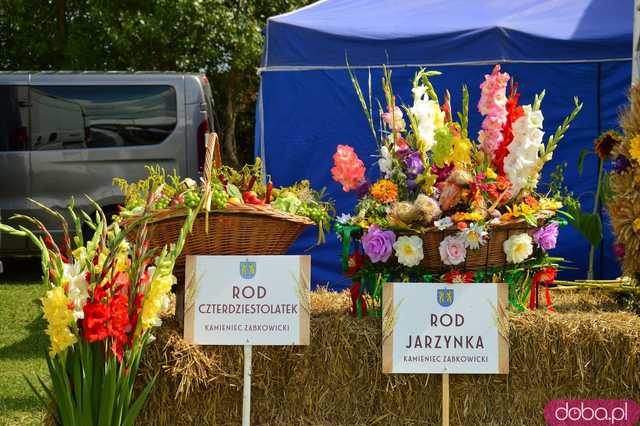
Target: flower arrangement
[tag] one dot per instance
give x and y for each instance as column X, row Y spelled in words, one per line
column 228, row 188
column 104, row 297
column 442, row 194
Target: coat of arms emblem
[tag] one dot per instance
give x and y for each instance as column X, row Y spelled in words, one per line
column 247, row 269
column 445, row 296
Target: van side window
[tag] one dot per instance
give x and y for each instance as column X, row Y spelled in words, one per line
column 101, row 116
column 14, row 118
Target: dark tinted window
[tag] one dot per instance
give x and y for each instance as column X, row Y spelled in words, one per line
column 65, row 117
column 14, row 116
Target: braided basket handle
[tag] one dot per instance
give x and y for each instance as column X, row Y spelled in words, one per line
column 212, row 157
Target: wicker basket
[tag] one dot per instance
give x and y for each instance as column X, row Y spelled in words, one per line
column 490, row 255
column 236, row 230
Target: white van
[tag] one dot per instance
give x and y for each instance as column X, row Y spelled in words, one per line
column 65, row 134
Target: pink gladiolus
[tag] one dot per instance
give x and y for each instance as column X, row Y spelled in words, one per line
column 348, row 169
column 394, row 119
column 492, row 103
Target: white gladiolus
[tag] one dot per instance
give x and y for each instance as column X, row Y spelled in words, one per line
column 520, row 163
column 385, row 162
column 78, row 287
column 428, row 115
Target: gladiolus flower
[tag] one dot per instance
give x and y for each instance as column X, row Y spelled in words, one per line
column 348, row 169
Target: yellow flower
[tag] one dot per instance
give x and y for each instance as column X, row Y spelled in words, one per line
column 467, row 217
column 55, row 306
column 636, row 225
column 490, row 173
column 634, row 148
column 122, row 258
column 461, row 153
column 156, row 300
column 549, row 204
column 385, row 191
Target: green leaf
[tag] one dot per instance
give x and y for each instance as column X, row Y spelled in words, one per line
column 233, row 191
column 590, row 226
column 531, row 219
column 583, row 153
column 136, row 407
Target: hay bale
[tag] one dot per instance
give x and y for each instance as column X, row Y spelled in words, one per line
column 338, row 379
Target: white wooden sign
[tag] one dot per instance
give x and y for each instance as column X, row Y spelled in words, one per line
column 247, row 300
column 445, row 328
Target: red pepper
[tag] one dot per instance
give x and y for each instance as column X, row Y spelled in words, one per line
column 249, row 197
column 252, row 181
column 267, row 196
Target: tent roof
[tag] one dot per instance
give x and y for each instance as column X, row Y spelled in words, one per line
column 427, row 32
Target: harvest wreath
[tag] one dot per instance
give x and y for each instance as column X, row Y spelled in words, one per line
column 446, row 208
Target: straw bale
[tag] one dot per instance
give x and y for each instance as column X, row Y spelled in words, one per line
column 585, row 350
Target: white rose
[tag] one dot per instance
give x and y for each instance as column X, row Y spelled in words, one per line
column 518, row 248
column 409, row 250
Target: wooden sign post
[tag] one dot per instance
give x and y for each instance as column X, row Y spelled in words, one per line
column 247, row 300
column 445, row 329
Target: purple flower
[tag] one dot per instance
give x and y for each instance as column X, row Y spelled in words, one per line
column 621, row 164
column 547, row 236
column 411, row 184
column 618, row 250
column 363, row 188
column 414, row 164
column 378, row 244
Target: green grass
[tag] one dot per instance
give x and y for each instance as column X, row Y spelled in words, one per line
column 22, row 343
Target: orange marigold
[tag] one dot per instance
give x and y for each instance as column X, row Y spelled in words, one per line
column 385, row 191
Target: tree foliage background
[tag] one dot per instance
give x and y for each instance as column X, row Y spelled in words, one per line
column 222, row 37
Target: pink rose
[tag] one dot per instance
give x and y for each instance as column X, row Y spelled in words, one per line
column 452, row 250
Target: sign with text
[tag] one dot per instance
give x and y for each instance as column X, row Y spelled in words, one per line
column 247, row 300
column 445, row 328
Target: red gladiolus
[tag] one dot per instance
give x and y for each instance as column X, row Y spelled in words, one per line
column 119, row 325
column 513, row 113
column 94, row 324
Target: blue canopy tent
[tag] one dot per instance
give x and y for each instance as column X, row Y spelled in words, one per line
column 307, row 104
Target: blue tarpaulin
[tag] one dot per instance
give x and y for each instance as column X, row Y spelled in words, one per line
column 307, row 104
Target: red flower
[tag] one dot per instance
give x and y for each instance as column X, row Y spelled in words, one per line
column 456, row 276
column 513, row 113
column 108, row 318
column 119, row 325
column 355, row 262
column 94, row 324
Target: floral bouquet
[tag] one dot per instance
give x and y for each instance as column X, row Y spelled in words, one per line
column 104, row 296
column 446, row 208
